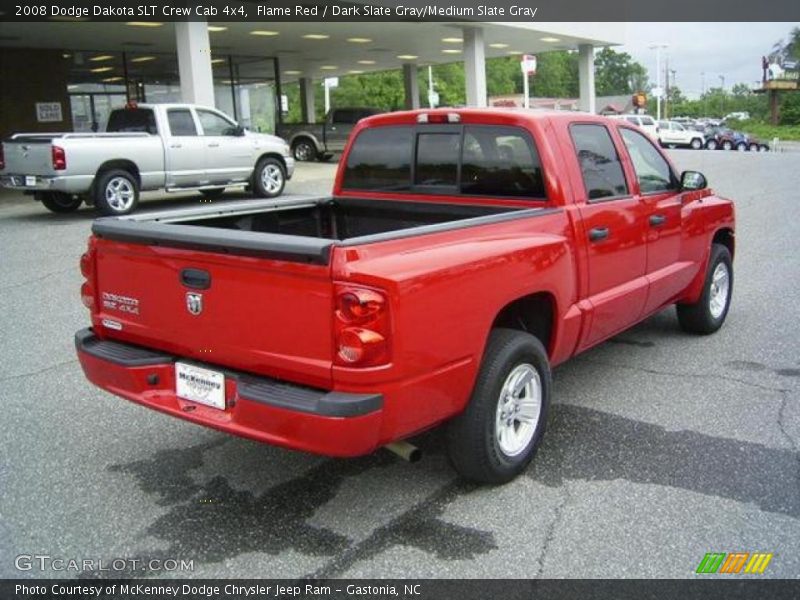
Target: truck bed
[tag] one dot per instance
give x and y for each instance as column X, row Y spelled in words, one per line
column 304, row 228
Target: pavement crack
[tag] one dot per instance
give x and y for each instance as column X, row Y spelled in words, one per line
column 38, row 371
column 690, row 375
column 551, row 530
column 35, row 280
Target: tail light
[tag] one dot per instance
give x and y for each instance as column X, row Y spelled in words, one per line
column 59, row 158
column 2, row 158
column 361, row 327
column 88, row 272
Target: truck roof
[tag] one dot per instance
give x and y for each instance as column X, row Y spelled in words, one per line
column 493, row 115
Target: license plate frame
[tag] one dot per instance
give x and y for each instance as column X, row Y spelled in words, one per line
column 200, row 385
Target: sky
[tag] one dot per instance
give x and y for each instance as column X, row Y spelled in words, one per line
column 733, row 50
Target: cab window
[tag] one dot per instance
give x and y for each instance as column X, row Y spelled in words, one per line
column 602, row 172
column 181, row 122
column 214, row 124
column 652, row 170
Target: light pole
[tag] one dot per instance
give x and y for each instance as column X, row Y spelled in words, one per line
column 703, row 91
column 659, row 91
column 722, row 97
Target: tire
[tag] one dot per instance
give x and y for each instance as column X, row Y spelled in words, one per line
column 741, row 147
column 116, row 192
column 269, row 178
column 304, row 150
column 60, row 202
column 763, row 148
column 672, row 146
column 727, row 145
column 213, row 193
column 753, row 148
column 711, row 145
column 708, row 314
column 474, row 443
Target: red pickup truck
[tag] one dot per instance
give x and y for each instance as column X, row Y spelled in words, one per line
column 462, row 255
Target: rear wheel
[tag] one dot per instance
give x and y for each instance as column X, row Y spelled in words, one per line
column 497, row 435
column 711, row 144
column 741, row 147
column 269, row 178
column 60, row 202
column 708, row 313
column 304, row 150
column 116, row 192
column 763, row 148
column 697, row 144
column 727, row 145
column 753, row 147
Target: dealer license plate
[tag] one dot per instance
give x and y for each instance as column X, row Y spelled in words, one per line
column 200, row 385
column 30, row 180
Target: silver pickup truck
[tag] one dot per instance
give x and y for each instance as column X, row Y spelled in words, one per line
column 318, row 141
column 175, row 147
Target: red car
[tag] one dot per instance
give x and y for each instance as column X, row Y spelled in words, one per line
column 462, row 255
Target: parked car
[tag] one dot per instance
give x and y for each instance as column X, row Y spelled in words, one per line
column 646, row 122
column 728, row 139
column 318, row 141
column 175, row 147
column 675, row 135
column 462, row 254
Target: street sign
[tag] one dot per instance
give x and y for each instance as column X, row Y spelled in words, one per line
column 331, row 82
column 657, row 92
column 433, row 98
column 528, row 64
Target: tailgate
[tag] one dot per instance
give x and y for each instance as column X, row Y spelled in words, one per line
column 261, row 315
column 28, row 157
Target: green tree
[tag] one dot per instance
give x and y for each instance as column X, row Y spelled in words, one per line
column 617, row 73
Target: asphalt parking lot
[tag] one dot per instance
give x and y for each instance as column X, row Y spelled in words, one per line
column 661, row 446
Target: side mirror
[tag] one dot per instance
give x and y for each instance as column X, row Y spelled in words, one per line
column 239, row 131
column 693, row 180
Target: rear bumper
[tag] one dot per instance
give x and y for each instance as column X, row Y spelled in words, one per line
column 258, row 408
column 71, row 184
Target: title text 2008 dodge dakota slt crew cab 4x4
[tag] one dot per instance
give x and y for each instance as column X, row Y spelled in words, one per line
column 462, row 255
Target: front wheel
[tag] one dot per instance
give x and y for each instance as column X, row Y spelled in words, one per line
column 763, row 148
column 711, row 145
column 497, row 435
column 116, row 192
column 741, row 147
column 269, row 178
column 304, row 150
column 726, row 145
column 753, row 147
column 697, row 144
column 60, row 202
column 708, row 314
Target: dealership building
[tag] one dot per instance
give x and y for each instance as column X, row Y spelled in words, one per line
column 60, row 75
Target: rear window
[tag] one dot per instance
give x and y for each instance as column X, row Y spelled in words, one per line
column 380, row 160
column 473, row 160
column 600, row 165
column 132, row 120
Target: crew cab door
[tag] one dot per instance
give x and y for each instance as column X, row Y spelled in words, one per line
column 228, row 155
column 184, row 149
column 658, row 187
column 614, row 225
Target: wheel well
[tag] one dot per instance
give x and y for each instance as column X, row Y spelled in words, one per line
column 533, row 314
column 305, row 138
column 273, row 155
column 122, row 164
column 726, row 238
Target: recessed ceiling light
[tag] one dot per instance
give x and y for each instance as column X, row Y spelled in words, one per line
column 452, row 40
column 144, row 24
column 366, row 62
column 514, row 52
column 328, row 67
column 216, row 28
column 359, row 40
column 264, row 32
column 66, row 55
column 316, row 36
column 112, row 79
column 217, row 61
column 101, row 58
column 407, row 56
column 292, row 72
column 140, row 59
column 102, row 69
column 552, row 40
column 355, row 72
column 451, row 51
column 498, row 45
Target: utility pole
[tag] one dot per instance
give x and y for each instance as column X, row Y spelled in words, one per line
column 722, row 98
column 666, row 88
column 657, row 48
column 703, row 92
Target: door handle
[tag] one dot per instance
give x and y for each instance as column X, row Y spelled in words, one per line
column 657, row 220
column 176, row 145
column 598, row 233
column 214, row 145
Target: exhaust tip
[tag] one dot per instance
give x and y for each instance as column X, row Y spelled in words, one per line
column 408, row 452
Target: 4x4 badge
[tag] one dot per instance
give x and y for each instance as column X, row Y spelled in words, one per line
column 194, row 303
